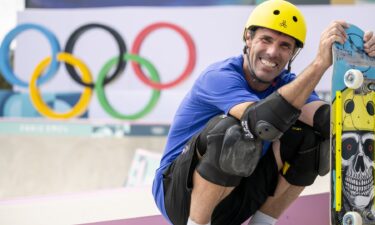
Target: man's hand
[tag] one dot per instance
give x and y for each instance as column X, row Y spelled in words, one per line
column 369, row 45
column 335, row 32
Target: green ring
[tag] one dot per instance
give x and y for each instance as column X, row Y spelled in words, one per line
column 99, row 87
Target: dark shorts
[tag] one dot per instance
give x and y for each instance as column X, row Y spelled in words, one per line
column 236, row 208
column 299, row 147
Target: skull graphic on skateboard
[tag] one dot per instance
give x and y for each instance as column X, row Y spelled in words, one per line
column 352, row 132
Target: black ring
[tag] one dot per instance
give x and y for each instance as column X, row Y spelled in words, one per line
column 121, row 64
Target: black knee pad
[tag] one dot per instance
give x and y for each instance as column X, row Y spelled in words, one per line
column 202, row 139
column 229, row 154
column 299, row 150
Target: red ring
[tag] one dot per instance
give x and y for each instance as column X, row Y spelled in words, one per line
column 190, row 65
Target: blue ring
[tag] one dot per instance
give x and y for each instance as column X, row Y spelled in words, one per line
column 5, row 66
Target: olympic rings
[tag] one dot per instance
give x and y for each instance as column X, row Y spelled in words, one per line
column 5, row 49
column 189, row 67
column 53, row 62
column 37, row 100
column 74, row 37
column 103, row 99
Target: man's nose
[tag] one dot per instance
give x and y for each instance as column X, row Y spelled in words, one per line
column 272, row 50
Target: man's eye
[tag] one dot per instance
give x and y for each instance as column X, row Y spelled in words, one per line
column 286, row 47
column 266, row 40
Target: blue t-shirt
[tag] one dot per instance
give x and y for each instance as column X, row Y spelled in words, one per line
column 220, row 87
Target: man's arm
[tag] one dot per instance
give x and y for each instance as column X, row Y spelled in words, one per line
column 300, row 89
column 295, row 94
column 297, row 91
column 308, row 112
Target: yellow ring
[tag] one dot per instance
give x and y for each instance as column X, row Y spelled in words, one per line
column 37, row 99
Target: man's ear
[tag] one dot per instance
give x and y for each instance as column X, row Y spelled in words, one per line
column 248, row 38
column 247, row 35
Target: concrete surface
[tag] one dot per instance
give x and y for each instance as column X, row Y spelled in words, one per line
column 76, row 180
column 38, row 166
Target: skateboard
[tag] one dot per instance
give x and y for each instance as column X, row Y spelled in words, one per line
column 352, row 132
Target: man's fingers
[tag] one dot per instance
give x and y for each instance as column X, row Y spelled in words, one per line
column 369, row 43
column 368, row 35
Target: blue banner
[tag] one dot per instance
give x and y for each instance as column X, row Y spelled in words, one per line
column 109, row 3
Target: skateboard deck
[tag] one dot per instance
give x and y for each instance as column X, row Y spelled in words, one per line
column 352, row 132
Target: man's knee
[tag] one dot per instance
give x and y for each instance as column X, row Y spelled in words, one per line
column 228, row 154
column 303, row 154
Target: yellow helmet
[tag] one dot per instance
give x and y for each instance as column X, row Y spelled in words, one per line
column 281, row 16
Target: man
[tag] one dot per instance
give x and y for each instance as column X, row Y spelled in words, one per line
column 250, row 135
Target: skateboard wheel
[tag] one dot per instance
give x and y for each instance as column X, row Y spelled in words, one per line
column 353, row 79
column 352, row 218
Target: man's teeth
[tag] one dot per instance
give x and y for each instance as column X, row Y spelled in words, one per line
column 268, row 63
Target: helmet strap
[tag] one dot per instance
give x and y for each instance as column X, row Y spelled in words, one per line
column 253, row 76
column 292, row 59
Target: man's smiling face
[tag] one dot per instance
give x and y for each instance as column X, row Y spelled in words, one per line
column 269, row 52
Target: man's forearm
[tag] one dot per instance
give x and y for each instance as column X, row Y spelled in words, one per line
column 297, row 91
